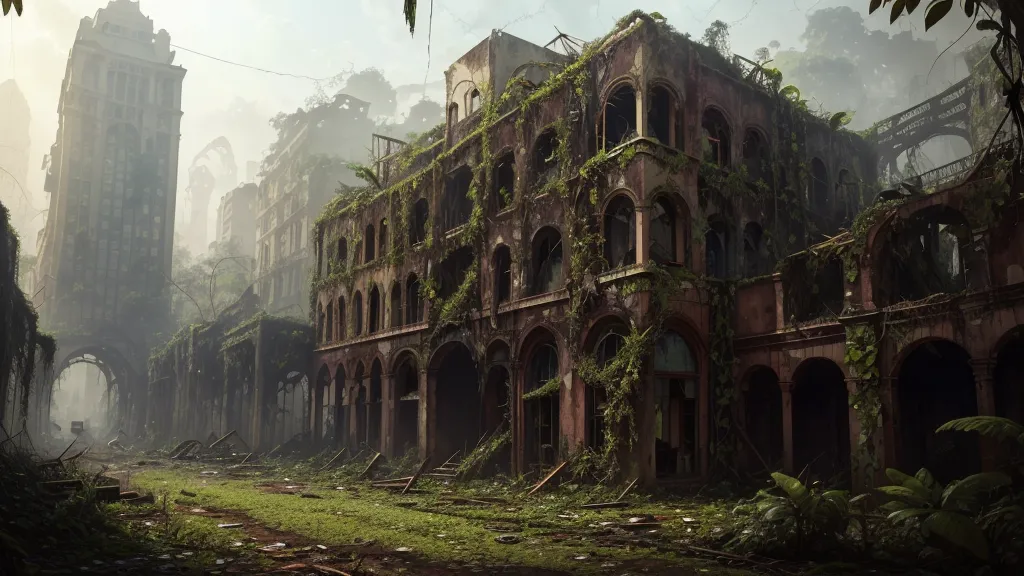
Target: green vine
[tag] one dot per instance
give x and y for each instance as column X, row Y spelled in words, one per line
column 862, row 360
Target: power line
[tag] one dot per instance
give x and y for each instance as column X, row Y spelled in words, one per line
column 258, row 69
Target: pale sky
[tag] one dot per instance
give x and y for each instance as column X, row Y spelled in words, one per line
column 320, row 38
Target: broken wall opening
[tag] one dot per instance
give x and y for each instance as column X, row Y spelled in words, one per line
column 502, row 274
column 926, row 254
column 936, row 385
column 717, row 142
column 821, row 422
column 413, row 306
column 812, row 294
column 453, row 270
column 545, row 165
column 756, row 156
column 420, row 215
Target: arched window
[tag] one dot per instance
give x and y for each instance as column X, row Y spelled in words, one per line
column 755, row 156
column 502, row 274
column 547, row 261
column 413, row 306
column 396, row 305
column 620, row 232
column 717, row 138
column 819, row 187
column 453, row 115
column 453, row 271
column 342, row 321
column 374, row 310
column 457, row 205
column 620, row 116
column 329, row 326
column 663, row 232
column 420, row 214
column 357, row 303
column 716, row 250
column 342, row 251
column 474, row 101
column 542, row 412
column 545, row 165
column 662, row 117
column 368, row 243
column 677, row 407
column 753, row 259
column 382, row 242
column 504, row 182
column 597, row 397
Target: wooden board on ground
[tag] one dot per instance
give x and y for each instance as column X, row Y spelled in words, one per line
column 369, row 467
column 336, row 456
column 416, row 476
column 547, row 478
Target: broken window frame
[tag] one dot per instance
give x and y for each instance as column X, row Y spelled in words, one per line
column 342, row 253
column 544, row 411
column 756, row 155
column 373, row 311
column 669, row 213
column 666, row 376
column 504, row 178
column 543, row 158
column 382, row 233
column 719, row 267
column 673, row 124
column 621, row 96
column 369, row 244
column 620, row 228
column 502, row 262
column 414, row 307
column 420, row 216
column 456, row 205
column 548, row 261
column 396, row 305
column 717, row 135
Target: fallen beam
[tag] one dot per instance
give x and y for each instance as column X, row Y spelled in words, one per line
column 547, row 478
column 600, row 505
column 416, row 476
column 329, row 464
column 225, row 437
column 628, row 488
column 369, row 467
column 401, row 480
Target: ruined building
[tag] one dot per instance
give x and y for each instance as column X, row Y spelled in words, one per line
column 105, row 251
column 236, row 218
column 15, row 145
column 300, row 175
column 555, row 261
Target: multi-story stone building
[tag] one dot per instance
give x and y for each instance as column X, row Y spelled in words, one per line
column 236, row 218
column 302, row 173
column 501, row 224
column 105, row 252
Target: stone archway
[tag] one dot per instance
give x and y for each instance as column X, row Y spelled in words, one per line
column 456, row 401
column 111, row 396
column 406, row 398
column 935, row 385
column 821, row 422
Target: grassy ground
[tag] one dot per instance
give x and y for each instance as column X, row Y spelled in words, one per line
column 548, row 531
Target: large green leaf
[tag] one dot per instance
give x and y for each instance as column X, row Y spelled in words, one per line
column 908, row 495
column 907, row 481
column 796, row 491
column 991, row 426
column 778, row 513
column 907, row 513
column 930, row 483
column 959, row 530
column 968, row 490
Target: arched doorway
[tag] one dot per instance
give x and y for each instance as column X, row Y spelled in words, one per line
column 324, row 409
column 88, row 389
column 457, row 396
column 293, row 407
column 407, row 405
column 821, row 422
column 341, row 409
column 936, row 385
column 541, row 391
column 676, row 407
column 763, row 418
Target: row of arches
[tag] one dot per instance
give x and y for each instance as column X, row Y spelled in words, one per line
column 622, row 115
column 935, row 381
column 405, row 307
column 374, row 243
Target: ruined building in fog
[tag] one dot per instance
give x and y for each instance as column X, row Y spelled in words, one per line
column 300, row 175
column 15, row 145
column 236, row 218
column 105, row 251
column 591, row 260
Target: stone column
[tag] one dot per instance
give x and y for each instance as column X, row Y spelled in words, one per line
column 984, row 388
column 428, row 425
column 787, row 426
column 387, row 417
column 889, row 393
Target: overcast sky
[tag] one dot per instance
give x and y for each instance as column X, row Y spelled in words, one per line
column 319, row 38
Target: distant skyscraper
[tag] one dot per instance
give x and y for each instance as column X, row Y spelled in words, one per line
column 105, row 255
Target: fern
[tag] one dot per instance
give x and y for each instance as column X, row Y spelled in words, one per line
column 991, row 426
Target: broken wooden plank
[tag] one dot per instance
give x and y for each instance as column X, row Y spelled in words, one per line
column 401, row 480
column 391, row 485
column 369, row 467
column 329, row 464
column 547, row 478
column 225, row 437
column 600, row 505
column 440, row 475
column 626, row 491
column 247, row 456
column 416, row 476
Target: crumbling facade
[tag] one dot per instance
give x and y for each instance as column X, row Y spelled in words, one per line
column 236, row 218
column 573, row 216
column 301, row 174
column 15, row 145
column 105, row 250
column 245, row 372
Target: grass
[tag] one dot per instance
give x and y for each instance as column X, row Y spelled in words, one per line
column 553, row 530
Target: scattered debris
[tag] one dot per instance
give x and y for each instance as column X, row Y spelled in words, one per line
column 601, row 505
column 626, row 491
column 507, row 539
column 332, row 460
column 233, row 525
column 416, row 476
column 184, row 449
column 369, row 467
column 548, row 478
column 225, row 437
